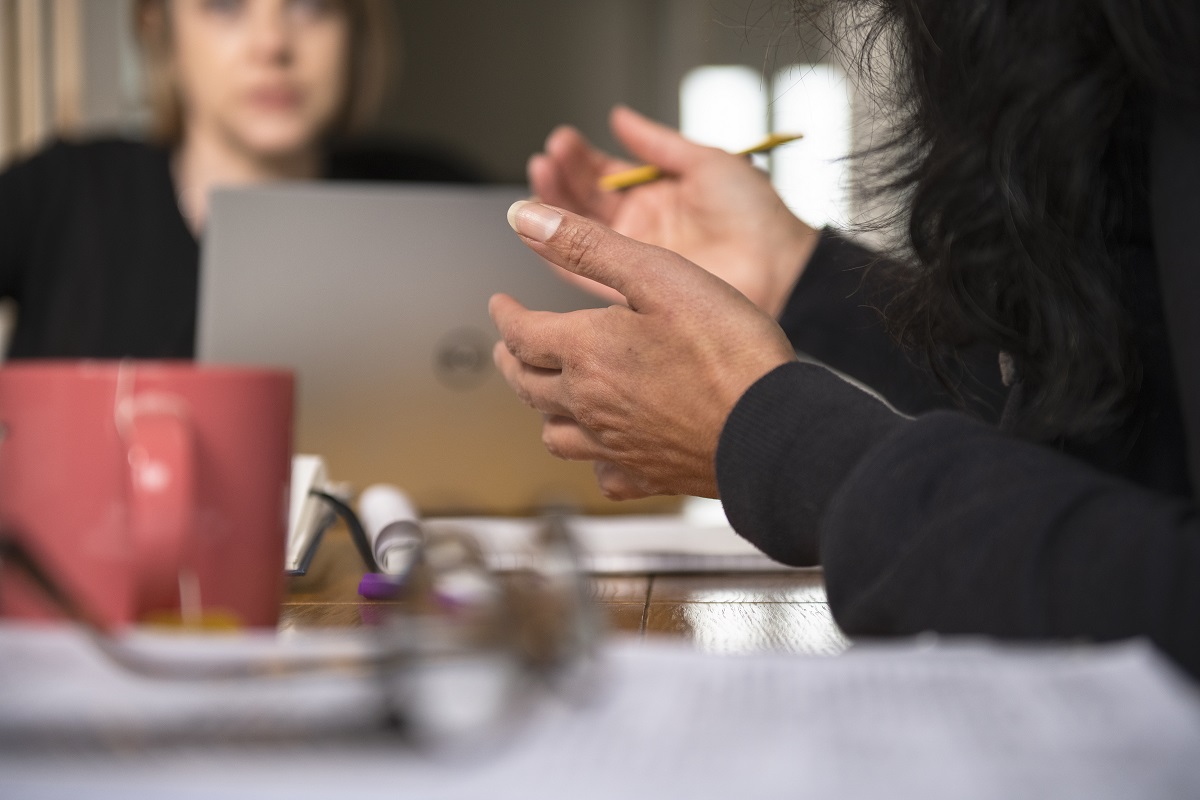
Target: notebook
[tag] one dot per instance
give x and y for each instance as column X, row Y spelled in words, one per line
column 376, row 296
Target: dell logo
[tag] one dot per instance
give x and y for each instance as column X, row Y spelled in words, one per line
column 463, row 358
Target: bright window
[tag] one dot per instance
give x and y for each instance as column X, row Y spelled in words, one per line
column 734, row 107
column 724, row 107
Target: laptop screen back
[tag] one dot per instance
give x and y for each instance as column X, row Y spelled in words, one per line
column 377, row 298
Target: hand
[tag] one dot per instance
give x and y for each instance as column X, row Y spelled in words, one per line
column 644, row 389
column 713, row 208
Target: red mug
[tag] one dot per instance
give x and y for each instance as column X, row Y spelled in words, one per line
column 147, row 490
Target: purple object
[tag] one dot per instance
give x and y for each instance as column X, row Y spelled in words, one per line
column 377, row 586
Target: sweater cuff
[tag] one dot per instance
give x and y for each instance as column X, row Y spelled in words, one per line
column 787, row 447
column 836, row 268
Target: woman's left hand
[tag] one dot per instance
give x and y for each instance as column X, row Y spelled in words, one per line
column 643, row 390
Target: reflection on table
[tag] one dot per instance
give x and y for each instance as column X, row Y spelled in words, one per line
column 719, row 613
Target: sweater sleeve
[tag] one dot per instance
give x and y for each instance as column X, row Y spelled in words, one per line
column 834, row 316
column 945, row 524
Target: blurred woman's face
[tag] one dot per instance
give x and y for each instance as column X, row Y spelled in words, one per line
column 268, row 76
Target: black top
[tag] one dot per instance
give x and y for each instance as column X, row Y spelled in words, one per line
column 947, row 523
column 97, row 255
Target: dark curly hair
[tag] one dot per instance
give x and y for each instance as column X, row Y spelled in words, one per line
column 1021, row 153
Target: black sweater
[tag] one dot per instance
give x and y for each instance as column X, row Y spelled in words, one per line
column 947, row 523
column 94, row 249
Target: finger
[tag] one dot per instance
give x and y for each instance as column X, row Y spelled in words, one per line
column 538, row 388
column 571, row 188
column 615, row 483
column 653, row 143
column 546, row 184
column 605, row 293
column 580, row 166
column 638, row 271
column 599, row 290
column 566, row 439
column 533, row 337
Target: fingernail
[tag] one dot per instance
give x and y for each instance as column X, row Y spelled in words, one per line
column 533, row 220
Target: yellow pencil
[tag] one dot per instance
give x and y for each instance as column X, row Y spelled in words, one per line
column 638, row 175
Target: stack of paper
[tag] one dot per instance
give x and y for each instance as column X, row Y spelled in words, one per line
column 957, row 720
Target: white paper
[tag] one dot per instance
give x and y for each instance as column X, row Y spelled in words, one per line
column 633, row 543
column 958, row 720
column 307, row 515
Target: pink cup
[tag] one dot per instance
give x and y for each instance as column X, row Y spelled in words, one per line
column 147, row 490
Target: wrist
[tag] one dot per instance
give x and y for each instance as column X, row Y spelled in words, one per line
column 788, row 259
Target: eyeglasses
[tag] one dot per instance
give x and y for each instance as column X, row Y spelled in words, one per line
column 456, row 656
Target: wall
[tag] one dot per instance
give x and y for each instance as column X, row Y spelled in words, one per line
column 112, row 99
column 490, row 78
column 66, row 67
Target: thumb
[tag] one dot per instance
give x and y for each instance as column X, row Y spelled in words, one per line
column 653, row 143
column 592, row 250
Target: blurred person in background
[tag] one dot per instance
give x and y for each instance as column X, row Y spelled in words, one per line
column 99, row 239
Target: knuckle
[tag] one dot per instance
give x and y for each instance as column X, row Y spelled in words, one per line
column 517, row 348
column 607, row 492
column 612, row 488
column 552, row 444
column 523, row 394
column 591, row 405
column 614, row 482
column 579, row 242
column 589, row 418
column 648, row 487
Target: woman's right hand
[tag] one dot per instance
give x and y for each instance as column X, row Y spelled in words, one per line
column 711, row 207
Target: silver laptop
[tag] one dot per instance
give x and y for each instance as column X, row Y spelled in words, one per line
column 377, row 298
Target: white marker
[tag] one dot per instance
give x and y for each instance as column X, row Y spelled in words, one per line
column 392, row 527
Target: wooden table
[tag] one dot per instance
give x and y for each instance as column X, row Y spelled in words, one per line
column 720, row 613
